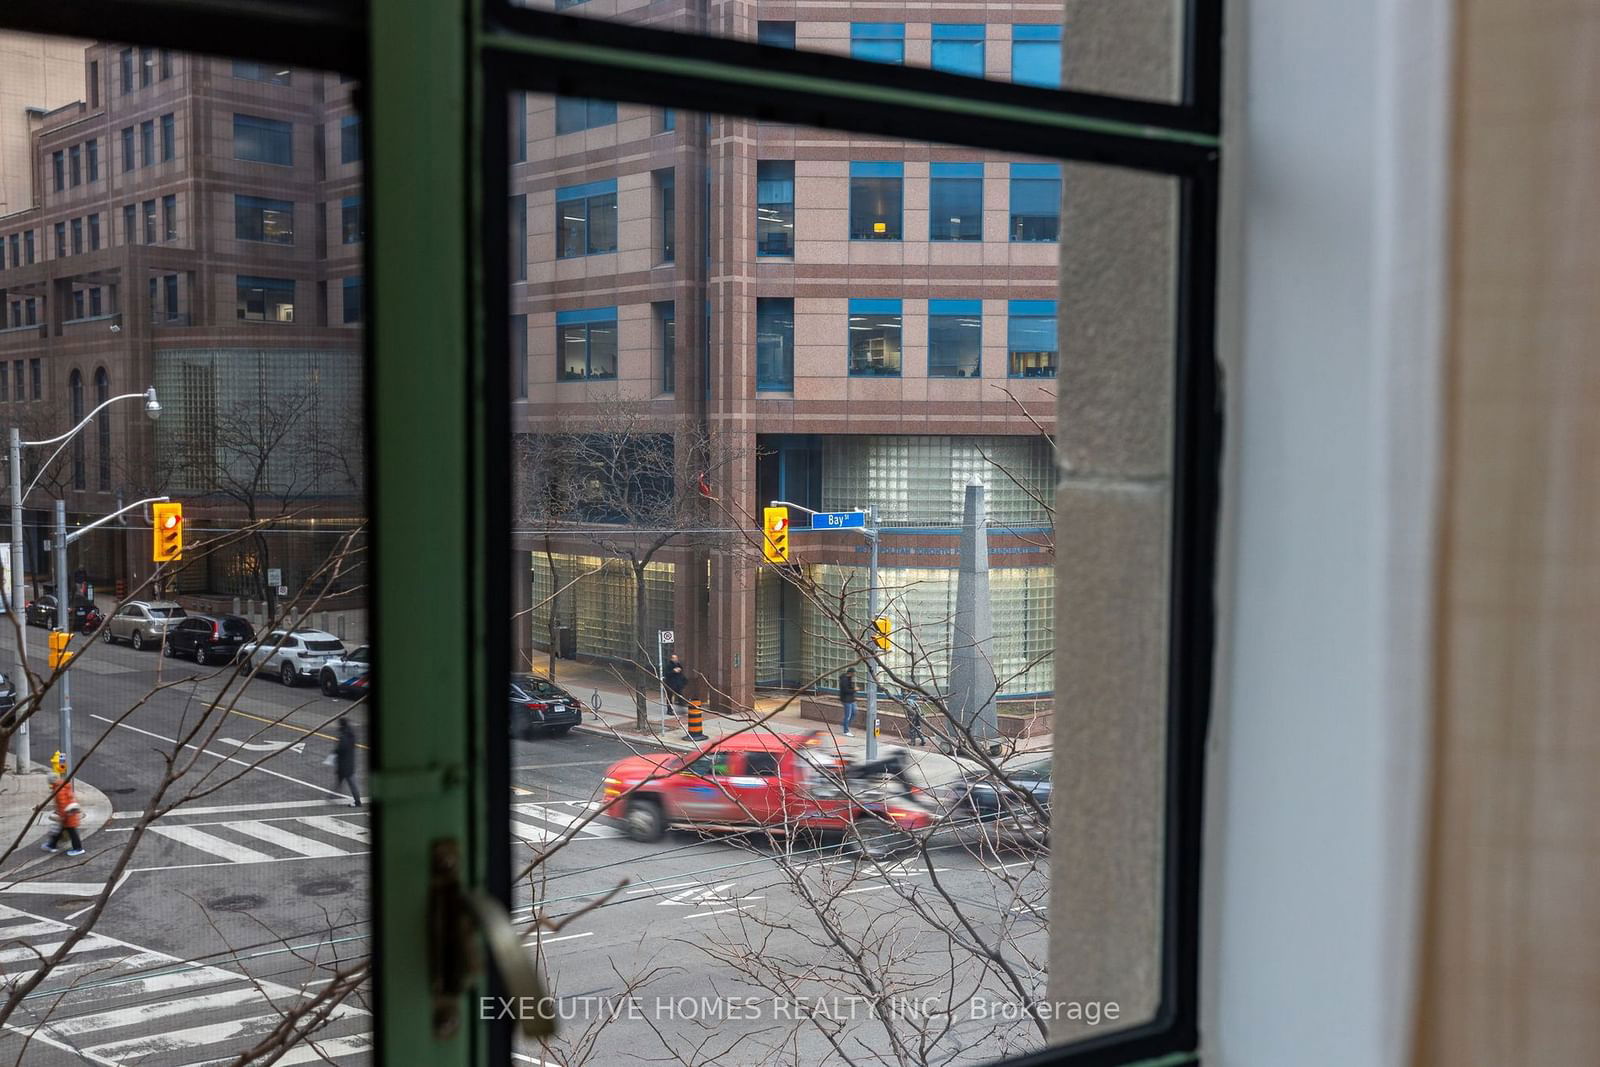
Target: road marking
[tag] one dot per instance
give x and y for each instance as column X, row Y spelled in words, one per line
column 59, row 889
column 552, row 940
column 326, row 1051
column 211, row 843
column 225, row 809
column 296, row 747
column 703, row 914
column 663, row 888
column 34, row 1034
column 143, row 1013
column 219, row 755
column 547, row 813
column 304, row 731
column 277, row 835
column 224, row 863
column 333, row 824
column 864, row 889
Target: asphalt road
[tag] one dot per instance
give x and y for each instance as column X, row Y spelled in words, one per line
column 243, row 902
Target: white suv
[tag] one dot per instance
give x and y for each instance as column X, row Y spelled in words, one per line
column 291, row 655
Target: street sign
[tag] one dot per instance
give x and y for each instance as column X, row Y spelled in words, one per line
column 274, row 576
column 283, row 590
column 839, row 520
column 666, row 637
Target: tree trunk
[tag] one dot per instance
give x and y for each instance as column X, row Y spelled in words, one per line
column 641, row 633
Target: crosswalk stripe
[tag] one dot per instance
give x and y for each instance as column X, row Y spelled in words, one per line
column 525, row 832
column 331, row 1050
column 28, row 930
column 34, row 953
column 277, row 835
column 561, row 818
column 333, row 824
column 143, row 1013
column 216, row 846
column 67, row 973
column 188, row 1038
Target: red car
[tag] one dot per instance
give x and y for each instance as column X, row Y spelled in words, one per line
column 778, row 783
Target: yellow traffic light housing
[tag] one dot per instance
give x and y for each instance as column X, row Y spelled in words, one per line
column 775, row 534
column 884, row 627
column 58, row 648
column 167, row 532
column 58, row 763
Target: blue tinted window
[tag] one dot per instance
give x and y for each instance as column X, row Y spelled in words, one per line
column 955, row 202
column 880, row 42
column 575, row 113
column 256, row 139
column 955, row 338
column 1035, row 201
column 876, row 200
column 774, row 343
column 958, row 48
column 586, row 344
column 1031, row 339
column 776, row 33
column 775, row 207
column 875, row 337
column 1036, row 56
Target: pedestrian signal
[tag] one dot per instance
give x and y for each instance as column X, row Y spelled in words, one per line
column 168, row 532
column 884, row 627
column 775, row 534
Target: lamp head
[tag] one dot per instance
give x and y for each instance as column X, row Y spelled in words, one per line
column 152, row 406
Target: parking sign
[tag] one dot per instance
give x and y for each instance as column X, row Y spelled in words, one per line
column 666, row 637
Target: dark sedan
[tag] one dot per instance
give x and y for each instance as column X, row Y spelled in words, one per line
column 8, row 700
column 539, row 706
column 208, row 638
column 83, row 615
column 1015, row 802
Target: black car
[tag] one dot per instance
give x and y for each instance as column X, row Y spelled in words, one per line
column 987, row 798
column 208, row 638
column 83, row 615
column 539, row 706
column 8, row 699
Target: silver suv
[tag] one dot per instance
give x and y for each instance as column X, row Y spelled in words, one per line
column 142, row 623
column 291, row 655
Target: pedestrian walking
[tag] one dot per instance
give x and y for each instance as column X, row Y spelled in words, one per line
column 847, row 698
column 676, row 679
column 344, row 761
column 69, row 816
column 913, row 716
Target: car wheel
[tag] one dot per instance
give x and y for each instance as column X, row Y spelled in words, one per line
column 644, row 820
column 106, row 636
column 287, row 675
column 330, row 684
column 138, row 640
column 870, row 839
column 200, row 657
column 168, row 651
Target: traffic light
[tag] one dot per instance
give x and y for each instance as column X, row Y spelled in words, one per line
column 884, row 628
column 168, row 532
column 775, row 534
column 58, row 763
column 58, row 648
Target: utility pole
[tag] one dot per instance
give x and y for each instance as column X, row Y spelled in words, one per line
column 872, row 613
column 18, row 598
column 64, row 621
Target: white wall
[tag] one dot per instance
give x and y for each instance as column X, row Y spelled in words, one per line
column 1332, row 270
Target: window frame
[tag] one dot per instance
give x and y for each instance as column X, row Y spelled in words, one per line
column 586, row 319
column 874, row 313
column 1021, row 311
column 943, row 174
column 956, row 309
column 586, row 194
column 869, row 174
column 784, row 208
column 958, row 37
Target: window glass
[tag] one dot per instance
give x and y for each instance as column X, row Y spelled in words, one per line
column 775, row 207
column 955, row 202
column 879, row 42
column 1035, row 201
column 263, row 140
column 666, row 216
column 774, row 343
column 273, row 74
column 265, row 299
column 876, row 199
column 586, row 219
column 1036, row 56
column 580, row 113
column 1031, row 339
column 955, row 338
column 776, row 33
column 258, row 218
column 169, row 137
column 958, row 48
column 351, row 227
column 874, row 337
column 352, row 300
column 349, row 139
column 587, row 344
column 667, row 338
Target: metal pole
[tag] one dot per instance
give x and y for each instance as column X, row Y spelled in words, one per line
column 661, row 679
column 872, row 618
column 63, row 620
column 18, row 593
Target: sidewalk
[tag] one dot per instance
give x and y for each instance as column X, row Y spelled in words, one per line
column 25, row 807
column 616, row 718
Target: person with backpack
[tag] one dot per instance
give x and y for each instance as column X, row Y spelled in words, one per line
column 847, row 698
column 69, row 816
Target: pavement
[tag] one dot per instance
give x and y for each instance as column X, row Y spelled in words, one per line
column 25, row 805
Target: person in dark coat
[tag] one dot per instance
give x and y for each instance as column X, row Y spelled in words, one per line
column 676, row 679
column 344, row 761
column 847, row 698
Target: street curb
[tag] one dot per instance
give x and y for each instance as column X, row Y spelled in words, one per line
column 20, row 794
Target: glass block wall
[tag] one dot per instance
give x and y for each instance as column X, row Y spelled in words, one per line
column 921, row 481
column 596, row 597
column 922, row 603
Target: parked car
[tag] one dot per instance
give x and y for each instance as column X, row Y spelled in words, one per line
column 292, row 656
column 1012, row 805
column 208, row 638
column 539, row 706
column 8, row 698
column 777, row 783
column 348, row 674
column 84, row 617
column 142, row 623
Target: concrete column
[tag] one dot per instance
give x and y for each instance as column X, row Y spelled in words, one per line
column 522, row 657
column 973, row 681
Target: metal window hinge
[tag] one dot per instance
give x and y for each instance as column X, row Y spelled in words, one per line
column 456, row 915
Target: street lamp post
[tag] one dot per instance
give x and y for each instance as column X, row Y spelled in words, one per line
column 19, row 587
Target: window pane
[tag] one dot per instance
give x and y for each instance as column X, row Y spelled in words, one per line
column 262, row 140
column 958, row 48
column 875, row 337
column 876, row 197
column 955, row 338
column 955, row 202
column 775, row 207
column 774, row 343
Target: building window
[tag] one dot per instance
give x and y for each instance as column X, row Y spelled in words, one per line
column 149, row 222
column 127, row 149
column 77, row 304
column 955, row 338
column 80, row 477
column 875, row 337
column 1036, row 56
column 5, row 382
column 875, row 201
column 94, row 232
column 27, row 246
column 1031, row 339
column 350, row 225
column 519, row 356
column 271, row 73
column 129, row 224
column 574, row 113
column 667, row 214
column 667, row 343
column 16, row 256
column 519, row 128
column 880, row 42
column 352, row 299
column 955, row 202
column 586, row 344
column 77, row 237
column 350, row 139
column 169, row 288
column 125, row 58
column 586, row 219
column 147, row 142
column 669, row 120
column 774, row 343
column 958, row 48
column 166, row 63
column 94, row 83
column 265, row 299
column 92, row 150
column 61, row 240
column 169, row 216
column 36, row 372
column 1035, row 201
column 75, row 166
column 256, row 218
column 778, row 34
column 58, row 161
column 775, row 207
column 260, row 140
column 102, row 393
column 147, row 67
column 519, row 238
column 96, row 308
column 169, row 137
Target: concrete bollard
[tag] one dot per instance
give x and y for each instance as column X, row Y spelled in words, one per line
column 236, row 610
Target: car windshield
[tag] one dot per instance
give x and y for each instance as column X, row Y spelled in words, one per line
column 324, row 646
column 168, row 613
column 361, row 655
column 1037, row 772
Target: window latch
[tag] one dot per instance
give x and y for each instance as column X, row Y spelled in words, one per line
column 456, row 916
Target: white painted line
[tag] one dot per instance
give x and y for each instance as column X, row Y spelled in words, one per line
column 224, row 863
column 227, row 809
column 532, row 941
column 864, row 889
column 525, row 832
column 144, row 1013
column 68, row 973
column 703, row 914
column 151, row 1045
column 58, row 889
column 277, row 835
column 316, row 1050
column 27, row 930
column 79, row 1054
column 561, row 818
column 220, row 756
column 335, row 824
column 211, row 843
column 527, row 1059
column 663, row 888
